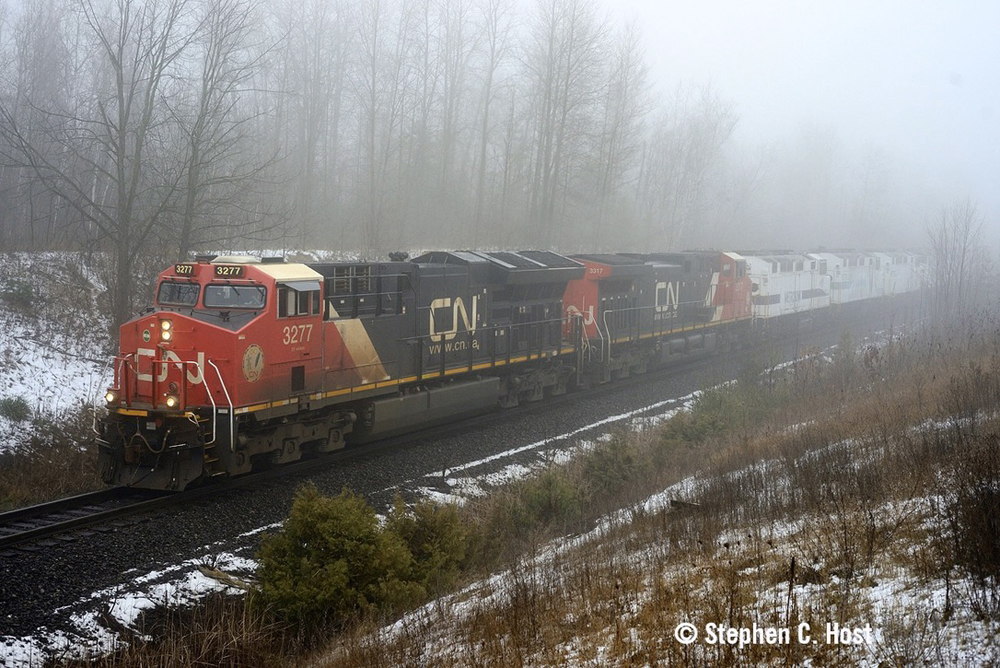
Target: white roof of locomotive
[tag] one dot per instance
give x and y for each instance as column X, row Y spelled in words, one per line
column 279, row 271
column 290, row 272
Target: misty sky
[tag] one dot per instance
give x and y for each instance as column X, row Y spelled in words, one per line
column 919, row 79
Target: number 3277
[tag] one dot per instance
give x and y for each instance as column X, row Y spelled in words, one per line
column 296, row 334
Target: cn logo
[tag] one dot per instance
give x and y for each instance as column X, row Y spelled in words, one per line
column 573, row 312
column 458, row 312
column 666, row 297
column 195, row 372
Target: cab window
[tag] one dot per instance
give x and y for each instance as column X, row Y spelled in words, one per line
column 298, row 298
column 176, row 293
column 224, row 295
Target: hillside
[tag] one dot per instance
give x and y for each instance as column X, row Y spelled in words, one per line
column 54, row 348
column 851, row 518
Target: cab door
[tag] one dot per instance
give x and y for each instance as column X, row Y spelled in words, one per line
column 298, row 347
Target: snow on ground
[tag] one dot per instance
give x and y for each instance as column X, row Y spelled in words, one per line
column 52, row 338
column 99, row 616
column 448, row 487
column 906, row 612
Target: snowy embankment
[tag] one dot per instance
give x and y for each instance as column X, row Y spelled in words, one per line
column 53, row 346
column 895, row 612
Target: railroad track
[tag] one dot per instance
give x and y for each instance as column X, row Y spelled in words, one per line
column 35, row 524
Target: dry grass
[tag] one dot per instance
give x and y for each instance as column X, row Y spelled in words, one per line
column 59, row 461
column 838, row 508
column 223, row 631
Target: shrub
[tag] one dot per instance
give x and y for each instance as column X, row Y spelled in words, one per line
column 19, row 294
column 332, row 562
column 57, row 460
column 436, row 537
column 845, row 362
column 709, row 416
column 611, row 467
column 551, row 498
column 15, row 409
column 973, row 513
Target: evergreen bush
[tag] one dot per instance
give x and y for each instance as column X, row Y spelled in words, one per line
column 333, row 562
column 15, row 409
column 436, row 537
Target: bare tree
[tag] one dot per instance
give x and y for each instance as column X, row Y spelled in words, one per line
column 225, row 168
column 41, row 65
column 381, row 85
column 868, row 199
column 565, row 58
column 625, row 104
column 496, row 37
column 739, row 222
column 314, row 71
column 679, row 156
column 122, row 181
column 959, row 262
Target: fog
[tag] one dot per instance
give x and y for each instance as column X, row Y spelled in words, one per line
column 153, row 129
column 915, row 82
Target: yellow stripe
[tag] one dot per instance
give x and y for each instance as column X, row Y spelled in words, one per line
column 387, row 383
column 132, row 412
column 679, row 330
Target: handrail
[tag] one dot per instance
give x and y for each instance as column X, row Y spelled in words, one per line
column 125, row 385
column 208, row 391
column 232, row 423
column 93, row 425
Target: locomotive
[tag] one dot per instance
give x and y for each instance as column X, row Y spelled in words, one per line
column 245, row 362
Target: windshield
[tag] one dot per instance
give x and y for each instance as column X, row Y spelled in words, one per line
column 176, row 293
column 234, row 296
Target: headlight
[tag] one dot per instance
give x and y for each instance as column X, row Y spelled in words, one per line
column 166, row 324
column 111, row 397
column 166, row 335
column 172, row 402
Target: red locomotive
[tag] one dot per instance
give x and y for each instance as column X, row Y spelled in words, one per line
column 246, row 361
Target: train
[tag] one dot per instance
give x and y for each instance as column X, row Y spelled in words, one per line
column 244, row 362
